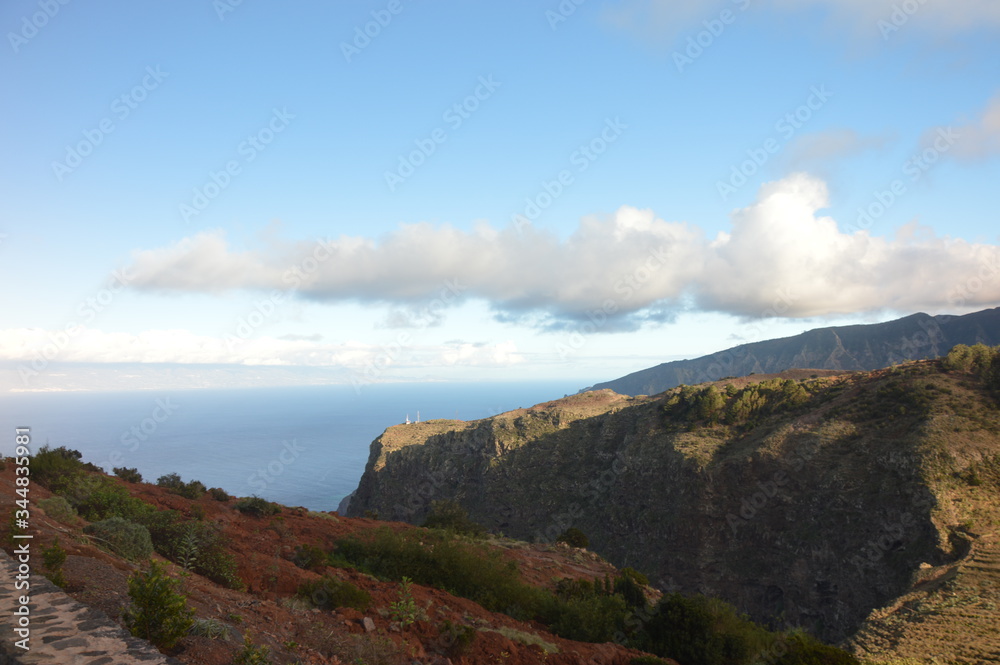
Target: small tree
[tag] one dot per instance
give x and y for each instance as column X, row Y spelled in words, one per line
column 128, row 475
column 573, row 537
column 159, row 613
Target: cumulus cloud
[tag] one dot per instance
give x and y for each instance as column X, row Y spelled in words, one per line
column 37, row 347
column 779, row 258
column 667, row 19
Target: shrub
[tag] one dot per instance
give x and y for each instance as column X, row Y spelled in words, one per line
column 256, row 507
column 456, row 639
column 97, row 498
column 309, row 557
column 213, row 629
column 56, row 467
column 58, row 508
column 128, row 475
column 463, row 569
column 122, row 537
column 804, row 649
column 328, row 593
column 449, row 515
column 197, row 546
column 251, row 654
column 698, row 630
column 53, row 557
column 219, row 494
column 574, row 538
column 405, row 610
column 159, row 613
column 194, row 489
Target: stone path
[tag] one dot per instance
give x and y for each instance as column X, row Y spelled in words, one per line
column 63, row 631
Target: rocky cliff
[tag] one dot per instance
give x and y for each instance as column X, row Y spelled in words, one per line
column 860, row 347
column 806, row 499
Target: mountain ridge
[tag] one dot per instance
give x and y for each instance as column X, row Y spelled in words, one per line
column 854, row 347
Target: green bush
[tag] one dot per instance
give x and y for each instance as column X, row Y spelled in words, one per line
column 122, row 537
column 53, row 558
column 194, row 489
column 574, row 538
column 434, row 559
column 256, row 507
column 449, row 515
column 159, row 613
column 197, row 546
column 251, row 654
column 128, row 475
column 219, row 494
column 97, row 498
column 54, row 468
column 58, row 508
column 328, row 593
column 309, row 557
column 803, row 649
column 698, row 630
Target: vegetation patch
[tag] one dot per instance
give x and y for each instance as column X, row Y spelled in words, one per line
column 328, row 593
column 124, row 538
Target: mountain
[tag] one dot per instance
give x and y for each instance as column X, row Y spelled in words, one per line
column 810, row 499
column 859, row 347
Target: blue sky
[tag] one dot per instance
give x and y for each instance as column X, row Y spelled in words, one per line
column 481, row 191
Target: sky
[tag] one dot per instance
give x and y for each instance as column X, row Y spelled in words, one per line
column 246, row 192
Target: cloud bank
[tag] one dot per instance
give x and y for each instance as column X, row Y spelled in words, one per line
column 37, row 348
column 780, row 258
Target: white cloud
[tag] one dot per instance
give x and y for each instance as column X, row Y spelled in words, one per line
column 979, row 139
column 820, row 151
column 37, row 347
column 667, row 19
column 780, row 258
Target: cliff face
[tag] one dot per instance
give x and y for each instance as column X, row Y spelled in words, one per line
column 860, row 347
column 809, row 512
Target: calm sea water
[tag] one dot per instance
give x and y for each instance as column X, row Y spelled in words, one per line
column 300, row 446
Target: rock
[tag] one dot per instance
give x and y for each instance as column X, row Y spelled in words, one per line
column 368, row 624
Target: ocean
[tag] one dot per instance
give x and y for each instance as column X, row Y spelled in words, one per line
column 300, row 446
